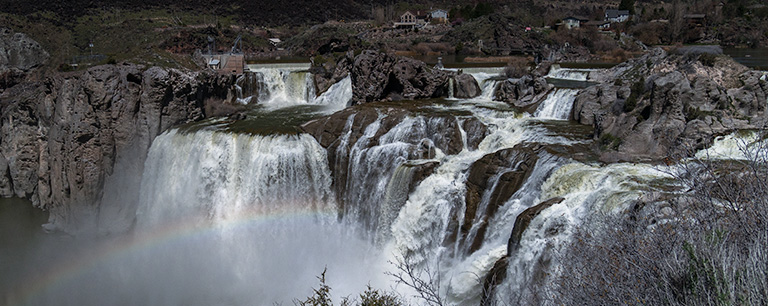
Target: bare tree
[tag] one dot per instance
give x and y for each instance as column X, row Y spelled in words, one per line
column 424, row 280
column 708, row 250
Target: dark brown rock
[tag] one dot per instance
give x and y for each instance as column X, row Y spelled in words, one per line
column 378, row 76
column 500, row 174
column 465, row 86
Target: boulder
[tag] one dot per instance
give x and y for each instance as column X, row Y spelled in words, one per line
column 525, row 93
column 18, row 51
column 465, row 86
column 378, row 76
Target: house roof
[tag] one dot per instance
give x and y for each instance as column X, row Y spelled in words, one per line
column 616, row 13
column 439, row 10
column 407, row 12
column 575, row 18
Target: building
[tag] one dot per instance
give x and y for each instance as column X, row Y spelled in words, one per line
column 408, row 17
column 407, row 20
column 616, row 15
column 572, row 22
column 439, row 16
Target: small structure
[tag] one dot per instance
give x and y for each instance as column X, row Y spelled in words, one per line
column 439, row 16
column 571, row 22
column 616, row 15
column 214, row 64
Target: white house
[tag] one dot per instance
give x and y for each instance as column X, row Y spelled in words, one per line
column 439, row 15
column 571, row 22
column 616, row 15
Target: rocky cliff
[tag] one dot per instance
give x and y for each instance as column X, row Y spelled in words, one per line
column 75, row 143
column 378, row 76
column 18, row 55
column 665, row 106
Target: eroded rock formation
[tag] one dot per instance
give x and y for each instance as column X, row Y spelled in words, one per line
column 660, row 105
column 75, row 143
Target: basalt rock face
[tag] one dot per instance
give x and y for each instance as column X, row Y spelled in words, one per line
column 660, row 105
column 492, row 180
column 18, row 55
column 378, row 76
column 525, row 93
column 75, row 143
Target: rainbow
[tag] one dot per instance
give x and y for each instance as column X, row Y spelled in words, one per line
column 131, row 243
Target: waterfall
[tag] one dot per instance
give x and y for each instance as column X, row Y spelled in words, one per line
column 221, row 176
column 338, row 95
column 280, row 87
column 557, row 72
column 231, row 218
column 557, row 105
column 587, row 189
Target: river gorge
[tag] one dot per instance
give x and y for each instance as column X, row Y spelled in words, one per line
column 477, row 185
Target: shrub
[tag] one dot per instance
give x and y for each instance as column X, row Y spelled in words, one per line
column 708, row 250
column 517, row 67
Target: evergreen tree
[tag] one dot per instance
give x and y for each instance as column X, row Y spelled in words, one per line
column 628, row 5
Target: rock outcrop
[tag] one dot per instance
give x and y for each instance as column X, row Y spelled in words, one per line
column 661, row 106
column 18, row 55
column 75, row 143
column 378, row 76
column 492, row 180
column 465, row 86
column 525, row 93
column 498, row 273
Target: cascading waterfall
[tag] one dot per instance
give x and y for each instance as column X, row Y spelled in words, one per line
column 557, row 105
column 240, row 219
column 280, row 87
column 557, row 72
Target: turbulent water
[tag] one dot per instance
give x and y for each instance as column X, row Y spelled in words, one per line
column 233, row 218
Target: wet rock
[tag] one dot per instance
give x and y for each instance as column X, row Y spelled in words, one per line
column 524, row 219
column 492, row 180
column 525, row 93
column 498, row 273
column 465, row 86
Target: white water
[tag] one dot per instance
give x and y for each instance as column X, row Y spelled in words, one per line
column 736, row 146
column 283, row 85
column 557, row 105
column 226, row 219
column 557, row 72
column 236, row 219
